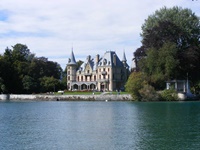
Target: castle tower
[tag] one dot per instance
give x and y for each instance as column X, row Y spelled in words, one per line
column 124, row 58
column 71, row 71
column 126, row 68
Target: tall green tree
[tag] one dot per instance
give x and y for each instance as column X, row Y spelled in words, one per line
column 29, row 85
column 160, row 64
column 21, row 71
column 49, row 84
column 181, row 28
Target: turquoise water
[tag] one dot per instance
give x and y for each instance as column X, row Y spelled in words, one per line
column 99, row 126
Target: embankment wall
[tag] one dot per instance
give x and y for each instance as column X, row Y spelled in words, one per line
column 109, row 97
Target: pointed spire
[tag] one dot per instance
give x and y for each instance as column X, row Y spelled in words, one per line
column 124, row 57
column 72, row 60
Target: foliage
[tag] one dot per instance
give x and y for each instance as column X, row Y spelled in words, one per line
column 164, row 67
column 171, row 37
column 21, row 71
column 135, row 83
column 29, row 84
column 79, row 63
column 169, row 95
column 138, row 55
column 148, row 93
column 49, row 84
column 2, row 86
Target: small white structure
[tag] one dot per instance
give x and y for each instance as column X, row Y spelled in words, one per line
column 178, row 85
column 181, row 86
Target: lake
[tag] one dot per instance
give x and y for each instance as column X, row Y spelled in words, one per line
column 99, row 125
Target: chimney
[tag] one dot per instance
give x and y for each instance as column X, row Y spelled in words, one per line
column 97, row 58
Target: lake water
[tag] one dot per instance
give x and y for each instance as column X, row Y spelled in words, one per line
column 99, row 126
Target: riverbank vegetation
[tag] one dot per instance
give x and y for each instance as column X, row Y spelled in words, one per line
column 170, row 50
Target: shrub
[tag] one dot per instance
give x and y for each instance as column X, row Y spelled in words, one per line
column 148, row 93
column 134, row 84
column 169, row 95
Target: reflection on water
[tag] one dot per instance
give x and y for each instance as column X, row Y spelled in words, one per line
column 99, row 125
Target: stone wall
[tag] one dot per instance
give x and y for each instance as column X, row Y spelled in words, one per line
column 109, row 97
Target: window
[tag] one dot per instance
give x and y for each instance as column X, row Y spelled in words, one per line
column 99, row 76
column 68, row 78
column 94, row 78
column 68, row 73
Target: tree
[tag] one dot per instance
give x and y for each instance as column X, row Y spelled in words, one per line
column 138, row 55
column 79, row 63
column 183, row 19
column 2, row 86
column 165, row 66
column 135, row 83
column 29, row 84
column 49, row 84
column 21, row 70
column 181, row 28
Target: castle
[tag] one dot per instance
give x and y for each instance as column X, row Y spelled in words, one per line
column 107, row 73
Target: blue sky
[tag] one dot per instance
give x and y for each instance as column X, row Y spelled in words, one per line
column 50, row 28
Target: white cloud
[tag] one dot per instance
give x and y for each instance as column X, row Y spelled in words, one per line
column 50, row 28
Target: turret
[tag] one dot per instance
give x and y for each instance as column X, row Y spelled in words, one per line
column 71, row 71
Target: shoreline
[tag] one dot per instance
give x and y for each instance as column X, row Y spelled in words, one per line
column 39, row 97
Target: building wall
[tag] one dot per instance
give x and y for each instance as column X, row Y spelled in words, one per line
column 105, row 76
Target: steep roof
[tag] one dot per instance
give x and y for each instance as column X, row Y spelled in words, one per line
column 108, row 59
column 89, row 60
column 72, row 60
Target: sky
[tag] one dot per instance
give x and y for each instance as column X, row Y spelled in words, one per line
column 51, row 28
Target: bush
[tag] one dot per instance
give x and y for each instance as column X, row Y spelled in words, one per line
column 169, row 95
column 148, row 93
column 134, row 84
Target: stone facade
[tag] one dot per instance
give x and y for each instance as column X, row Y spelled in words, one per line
column 106, row 73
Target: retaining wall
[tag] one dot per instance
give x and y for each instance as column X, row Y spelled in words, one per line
column 109, row 97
